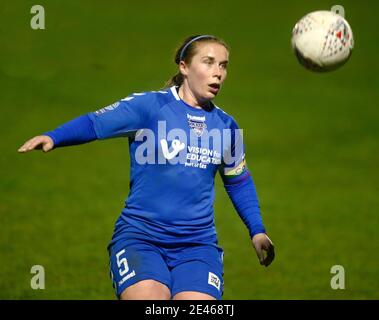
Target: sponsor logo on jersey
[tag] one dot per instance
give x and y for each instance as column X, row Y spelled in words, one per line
column 176, row 147
column 197, row 124
column 108, row 108
column 214, row 280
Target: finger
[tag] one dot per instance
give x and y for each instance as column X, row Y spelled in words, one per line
column 34, row 143
column 270, row 256
column 268, row 261
column 260, row 254
column 269, row 239
column 31, row 144
column 25, row 146
column 268, row 245
column 47, row 147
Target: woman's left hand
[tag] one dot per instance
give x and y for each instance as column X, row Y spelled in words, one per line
column 262, row 244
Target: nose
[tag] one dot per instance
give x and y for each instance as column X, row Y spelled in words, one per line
column 217, row 72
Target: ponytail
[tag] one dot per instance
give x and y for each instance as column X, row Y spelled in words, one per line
column 176, row 80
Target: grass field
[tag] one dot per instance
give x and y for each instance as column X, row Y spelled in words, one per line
column 312, row 143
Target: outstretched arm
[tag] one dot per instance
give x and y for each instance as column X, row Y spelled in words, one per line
column 77, row 131
column 121, row 119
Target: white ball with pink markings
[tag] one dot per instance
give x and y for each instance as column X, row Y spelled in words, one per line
column 322, row 41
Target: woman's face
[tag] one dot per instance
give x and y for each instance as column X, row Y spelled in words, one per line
column 207, row 70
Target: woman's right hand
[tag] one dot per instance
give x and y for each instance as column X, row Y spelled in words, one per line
column 38, row 142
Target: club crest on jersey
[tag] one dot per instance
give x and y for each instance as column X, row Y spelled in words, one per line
column 197, row 124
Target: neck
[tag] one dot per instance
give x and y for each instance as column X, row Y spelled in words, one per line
column 188, row 97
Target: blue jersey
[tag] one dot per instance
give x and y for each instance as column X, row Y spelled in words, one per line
column 175, row 152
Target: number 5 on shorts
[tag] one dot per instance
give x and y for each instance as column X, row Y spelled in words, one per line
column 122, row 264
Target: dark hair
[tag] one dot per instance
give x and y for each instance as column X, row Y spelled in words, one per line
column 188, row 53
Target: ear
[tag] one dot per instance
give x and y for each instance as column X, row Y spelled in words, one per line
column 183, row 68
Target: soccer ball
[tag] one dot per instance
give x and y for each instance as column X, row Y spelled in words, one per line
column 322, row 41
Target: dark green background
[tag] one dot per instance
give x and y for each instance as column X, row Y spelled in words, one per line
column 312, row 143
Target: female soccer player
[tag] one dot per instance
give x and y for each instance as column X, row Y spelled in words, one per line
column 165, row 244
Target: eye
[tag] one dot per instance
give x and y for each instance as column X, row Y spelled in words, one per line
column 224, row 66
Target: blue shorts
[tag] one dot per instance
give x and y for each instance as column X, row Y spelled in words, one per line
column 195, row 267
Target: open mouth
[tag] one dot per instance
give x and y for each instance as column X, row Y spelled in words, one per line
column 215, row 87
